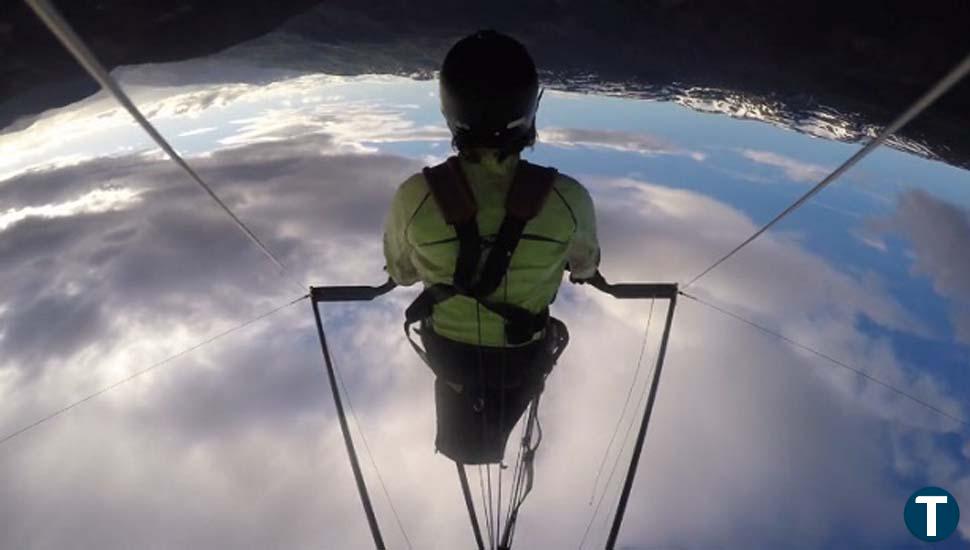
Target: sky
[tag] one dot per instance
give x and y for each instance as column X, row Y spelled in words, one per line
column 111, row 260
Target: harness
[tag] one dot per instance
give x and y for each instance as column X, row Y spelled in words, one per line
column 449, row 187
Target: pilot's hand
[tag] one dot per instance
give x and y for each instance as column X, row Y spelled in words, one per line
column 596, row 278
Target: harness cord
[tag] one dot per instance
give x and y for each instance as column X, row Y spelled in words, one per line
column 488, row 522
column 480, row 401
column 525, row 464
column 501, row 409
column 609, row 479
column 626, row 403
column 148, row 369
column 626, row 436
column 828, row 358
column 491, row 505
column 515, row 498
column 941, row 87
column 61, row 29
column 517, row 471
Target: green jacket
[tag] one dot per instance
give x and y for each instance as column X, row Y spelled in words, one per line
column 420, row 246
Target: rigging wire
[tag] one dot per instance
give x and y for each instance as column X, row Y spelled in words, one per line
column 365, row 501
column 59, row 26
column 501, row 416
column 150, row 368
column 470, row 505
column 626, row 403
column 525, row 438
column 827, row 358
column 941, row 87
column 370, row 455
column 61, row 29
column 76, row 46
column 491, row 506
column 518, row 464
column 487, row 507
column 644, row 425
column 485, row 511
column 624, row 441
column 616, row 462
column 524, row 471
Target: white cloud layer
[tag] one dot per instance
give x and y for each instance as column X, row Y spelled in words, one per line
column 627, row 142
column 94, row 202
column 796, row 170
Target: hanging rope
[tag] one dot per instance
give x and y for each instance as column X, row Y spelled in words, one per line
column 927, row 99
column 86, row 58
column 524, row 472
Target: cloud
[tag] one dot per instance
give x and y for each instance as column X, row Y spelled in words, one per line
column 73, row 230
column 870, row 241
column 735, row 394
column 264, row 105
column 353, row 126
column 938, row 232
column 796, row 170
column 198, row 131
column 94, row 202
column 629, row 142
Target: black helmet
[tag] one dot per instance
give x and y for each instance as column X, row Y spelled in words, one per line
column 490, row 92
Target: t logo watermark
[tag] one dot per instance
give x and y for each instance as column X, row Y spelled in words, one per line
column 931, row 514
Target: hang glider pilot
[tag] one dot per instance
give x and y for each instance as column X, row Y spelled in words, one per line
column 489, row 235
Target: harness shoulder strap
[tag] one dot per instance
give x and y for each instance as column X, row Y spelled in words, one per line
column 527, row 195
column 525, row 199
column 451, row 191
column 454, row 197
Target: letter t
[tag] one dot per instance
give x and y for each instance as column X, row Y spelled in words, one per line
column 931, row 503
